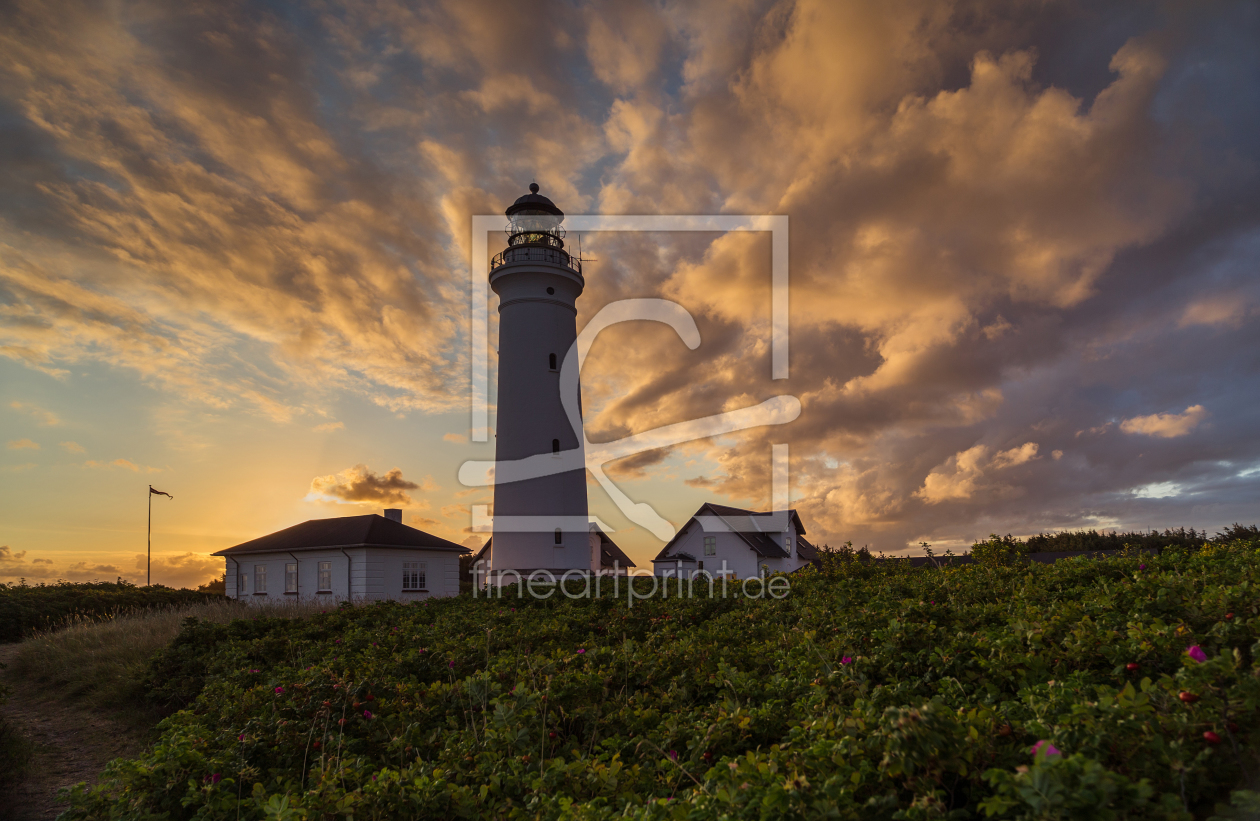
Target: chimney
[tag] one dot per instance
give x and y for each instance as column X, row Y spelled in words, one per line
column 393, row 514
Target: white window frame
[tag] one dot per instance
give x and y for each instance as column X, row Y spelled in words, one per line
column 290, row 577
column 415, row 577
column 787, row 539
column 710, row 545
column 324, row 577
column 242, row 583
column 260, row 580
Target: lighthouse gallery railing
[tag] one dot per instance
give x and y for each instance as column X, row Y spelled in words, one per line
column 534, row 254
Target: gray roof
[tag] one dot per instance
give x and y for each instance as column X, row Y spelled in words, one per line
column 372, row 530
column 610, row 552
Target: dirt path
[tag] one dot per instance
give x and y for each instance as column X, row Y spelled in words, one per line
column 73, row 744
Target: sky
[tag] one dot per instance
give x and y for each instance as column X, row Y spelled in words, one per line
column 235, row 245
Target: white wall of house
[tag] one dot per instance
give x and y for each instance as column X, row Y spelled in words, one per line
column 740, row 559
column 359, row 574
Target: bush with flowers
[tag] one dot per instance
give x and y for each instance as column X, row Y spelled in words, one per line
column 1085, row 689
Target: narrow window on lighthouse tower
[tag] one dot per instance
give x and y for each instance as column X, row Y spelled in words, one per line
column 559, row 537
column 555, row 447
column 552, row 361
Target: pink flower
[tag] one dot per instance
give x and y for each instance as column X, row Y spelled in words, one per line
column 581, row 650
column 367, row 713
column 1195, row 652
column 279, row 689
column 213, row 778
column 846, row 660
column 673, row 755
column 253, row 671
column 1141, row 567
column 240, row 737
column 1045, row 748
column 450, row 664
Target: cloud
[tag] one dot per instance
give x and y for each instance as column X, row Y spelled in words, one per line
column 1166, row 425
column 85, row 569
column 458, row 438
column 963, row 475
column 126, row 464
column 22, row 444
column 73, row 447
column 181, row 570
column 1224, row 310
column 14, row 565
column 359, row 485
column 329, row 427
column 45, row 417
column 636, row 466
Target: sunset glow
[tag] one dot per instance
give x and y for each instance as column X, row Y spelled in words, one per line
column 235, row 244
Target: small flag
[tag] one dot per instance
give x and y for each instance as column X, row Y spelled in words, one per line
column 159, row 493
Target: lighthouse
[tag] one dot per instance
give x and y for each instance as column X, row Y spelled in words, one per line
column 538, row 283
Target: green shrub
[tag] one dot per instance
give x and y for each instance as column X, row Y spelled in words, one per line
column 26, row 608
column 998, row 551
column 893, row 693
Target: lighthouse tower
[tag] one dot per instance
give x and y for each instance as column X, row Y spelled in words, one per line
column 544, row 518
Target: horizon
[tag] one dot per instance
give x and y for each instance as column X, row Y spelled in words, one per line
column 235, row 249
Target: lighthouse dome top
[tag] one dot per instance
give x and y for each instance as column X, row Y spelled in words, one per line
column 534, row 203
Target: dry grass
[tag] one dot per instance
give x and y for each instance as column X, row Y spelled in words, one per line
column 100, row 661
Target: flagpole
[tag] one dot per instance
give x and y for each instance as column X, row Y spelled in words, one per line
column 148, row 555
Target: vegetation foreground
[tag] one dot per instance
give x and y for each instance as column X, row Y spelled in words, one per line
column 872, row 691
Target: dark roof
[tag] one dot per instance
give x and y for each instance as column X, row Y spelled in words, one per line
column 743, row 522
column 609, row 551
column 680, row 555
column 806, row 550
column 372, row 530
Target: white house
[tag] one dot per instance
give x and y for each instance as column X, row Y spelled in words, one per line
column 740, row 543
column 347, row 558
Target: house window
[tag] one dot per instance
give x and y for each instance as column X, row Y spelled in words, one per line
column 710, row 545
column 700, row 565
column 260, row 580
column 555, row 447
column 413, row 576
column 325, row 577
column 241, row 581
column 290, row 577
column 787, row 542
column 559, row 536
column 551, row 360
